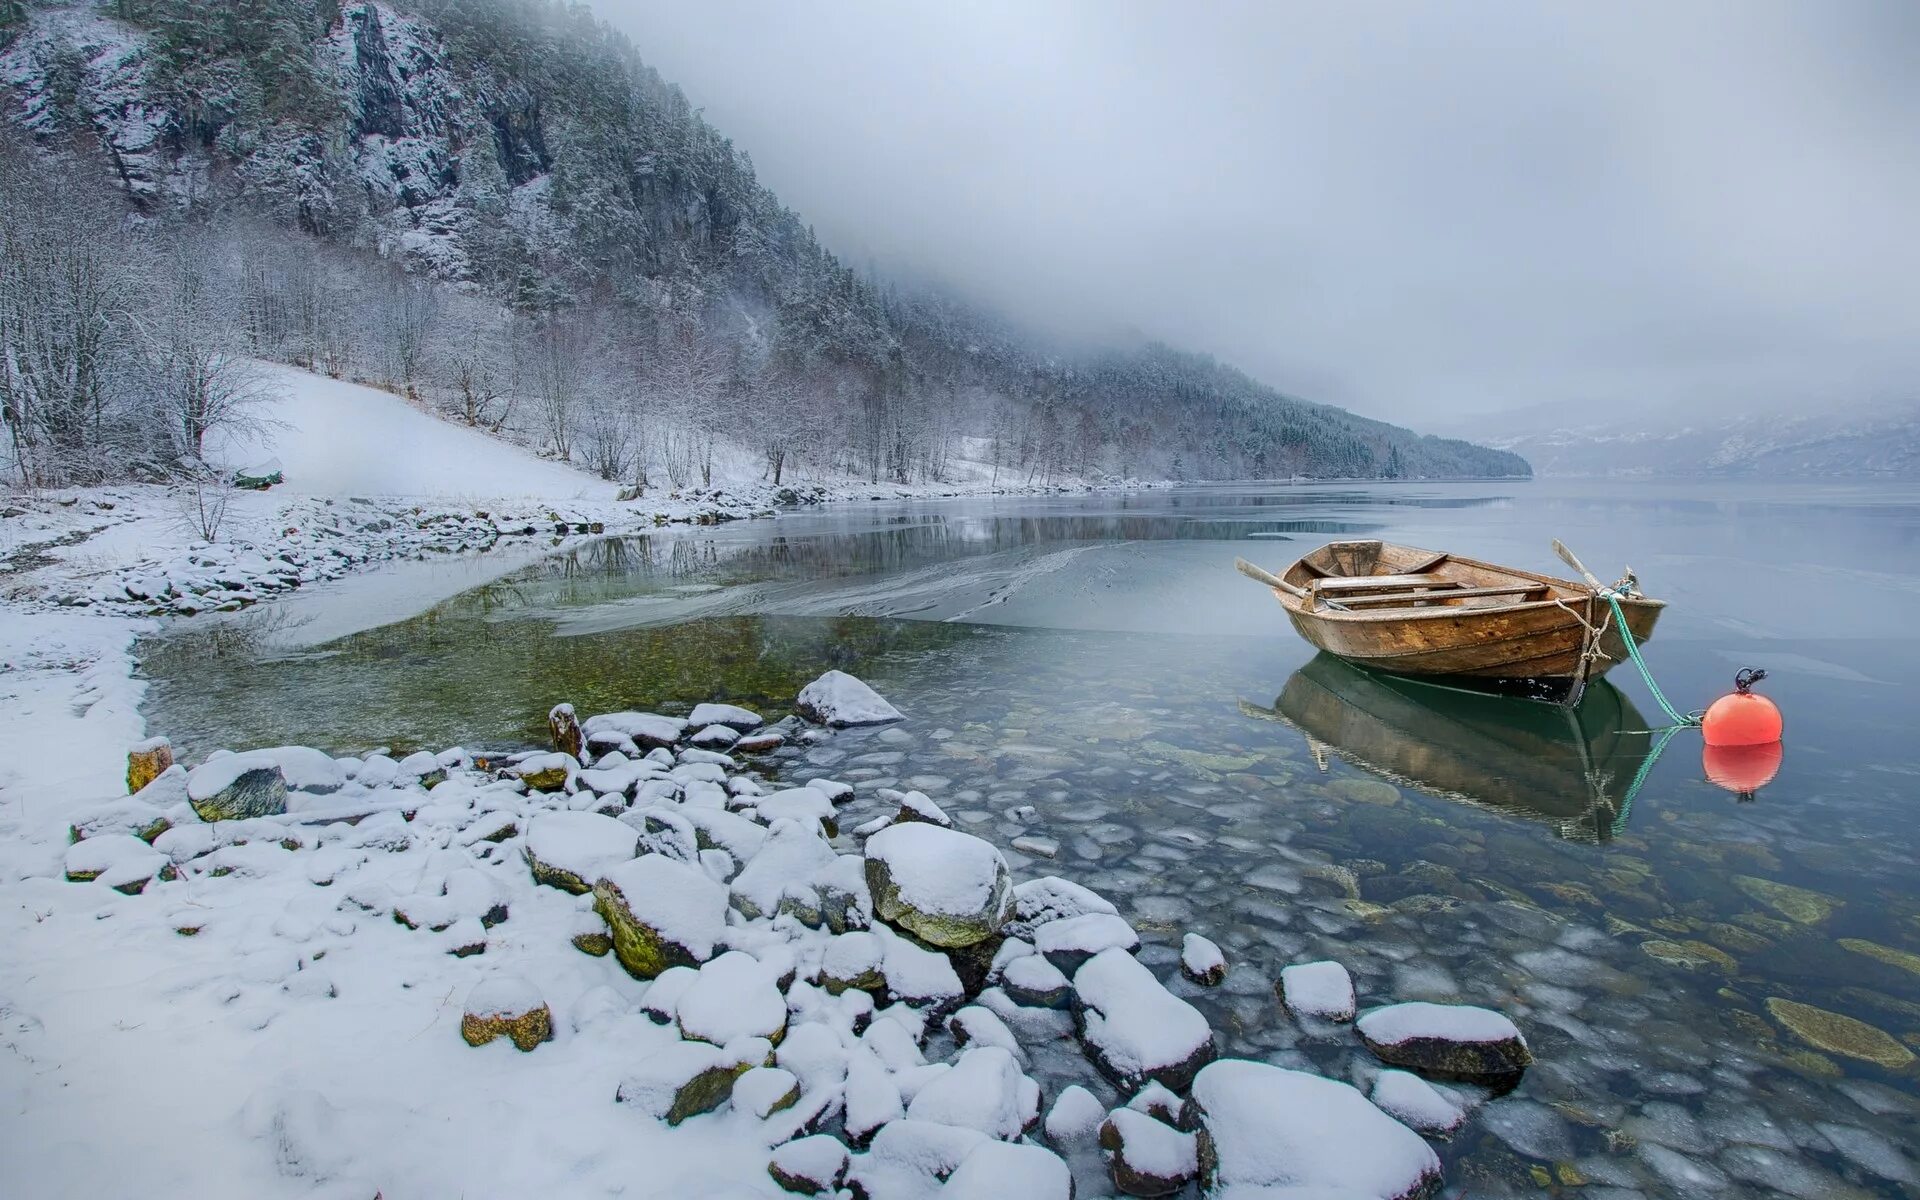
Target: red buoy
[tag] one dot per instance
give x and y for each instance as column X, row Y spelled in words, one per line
column 1743, row 718
column 1742, row 770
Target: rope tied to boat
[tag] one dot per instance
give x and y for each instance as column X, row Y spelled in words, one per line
column 1679, row 719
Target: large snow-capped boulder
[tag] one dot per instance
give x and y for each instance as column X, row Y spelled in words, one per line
column 235, row 787
column 1145, row 1156
column 661, row 913
column 948, row 888
column 507, row 1006
column 1134, row 1028
column 1446, row 1039
column 570, row 850
column 1010, row 1171
column 785, row 874
column 1261, row 1126
column 839, row 699
column 685, row 1079
column 733, row 996
column 984, row 1090
column 916, row 975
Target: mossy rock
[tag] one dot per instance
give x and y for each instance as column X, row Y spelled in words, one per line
column 1692, row 955
column 597, row 944
column 1886, row 954
column 1837, row 1034
column 1364, row 791
column 525, row 1030
column 1795, row 903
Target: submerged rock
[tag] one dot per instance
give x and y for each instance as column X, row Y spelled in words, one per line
column 840, row 700
column 950, row 889
column 1798, row 904
column 1260, row 1126
column 506, row 1006
column 1446, row 1039
column 1837, row 1034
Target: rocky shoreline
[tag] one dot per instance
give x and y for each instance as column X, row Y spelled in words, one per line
column 839, row 974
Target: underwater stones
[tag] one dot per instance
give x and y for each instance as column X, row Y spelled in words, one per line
column 1363, row 791
column 1692, row 955
column 1837, row 1034
column 506, row 1006
column 840, row 700
column 1201, row 961
column 121, row 861
column 948, row 888
column 1795, row 903
column 564, row 726
column 146, row 761
column 1261, row 1126
column 809, row 1166
column 661, row 913
column 235, row 787
column 685, row 1079
column 1321, row 991
column 1134, row 1028
column 1146, row 1157
column 569, row 850
column 1885, row 954
column 1446, row 1039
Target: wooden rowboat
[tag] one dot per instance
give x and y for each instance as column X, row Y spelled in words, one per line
column 1424, row 612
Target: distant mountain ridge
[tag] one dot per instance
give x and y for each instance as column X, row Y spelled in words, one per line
column 520, row 149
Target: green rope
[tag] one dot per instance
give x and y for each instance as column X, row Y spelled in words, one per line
column 1640, row 777
column 1626, row 635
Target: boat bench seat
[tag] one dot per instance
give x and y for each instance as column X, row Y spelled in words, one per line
column 1412, row 598
column 1371, row 583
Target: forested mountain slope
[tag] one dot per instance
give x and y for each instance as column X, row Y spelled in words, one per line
column 588, row 263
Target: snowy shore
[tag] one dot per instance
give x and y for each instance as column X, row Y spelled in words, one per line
column 667, row 947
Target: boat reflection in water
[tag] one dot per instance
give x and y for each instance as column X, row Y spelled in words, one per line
column 1575, row 770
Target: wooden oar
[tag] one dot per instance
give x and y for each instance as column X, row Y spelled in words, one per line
column 1274, row 581
column 1567, row 557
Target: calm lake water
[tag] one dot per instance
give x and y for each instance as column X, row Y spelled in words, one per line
column 1098, row 659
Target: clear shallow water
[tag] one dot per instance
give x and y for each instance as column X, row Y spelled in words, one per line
column 1098, row 658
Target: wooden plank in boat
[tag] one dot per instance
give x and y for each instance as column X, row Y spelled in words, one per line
column 1367, row 583
column 1410, row 598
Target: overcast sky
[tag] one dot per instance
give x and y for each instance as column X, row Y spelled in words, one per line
column 1418, row 211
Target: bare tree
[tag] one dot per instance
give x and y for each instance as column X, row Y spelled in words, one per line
column 192, row 342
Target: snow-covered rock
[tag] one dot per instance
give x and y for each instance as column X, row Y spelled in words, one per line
column 508, row 1006
column 563, row 724
column 1146, row 1157
column 838, row 699
column 235, row 787
column 1032, row 980
column 1075, row 1117
column 119, row 860
column 1450, row 1039
column 1201, row 961
column 1417, row 1104
column 685, row 1079
column 809, row 1166
column 1051, row 898
column 1317, row 990
column 1069, row 942
column 715, row 736
column 948, row 888
column 1010, row 1171
column 852, row 960
column 733, row 996
column 801, row 804
column 570, row 850
column 1133, row 1027
column 918, row 806
column 762, row 1091
column 985, row 1090
column 977, row 1026
column 915, row 975
column 646, row 730
column 730, row 715
column 1261, row 1126
column 662, row 913
column 784, row 875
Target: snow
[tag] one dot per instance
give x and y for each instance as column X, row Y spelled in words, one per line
column 1397, row 1023
column 1137, row 1027
column 335, row 438
column 982, row 1091
column 1272, row 1127
column 1322, row 990
column 1085, row 935
column 220, row 772
column 1200, row 957
column 1154, row 1148
column 503, row 995
column 646, row 728
column 999, row 1171
column 1075, row 1116
column 838, row 699
column 113, row 860
column 818, row 1158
